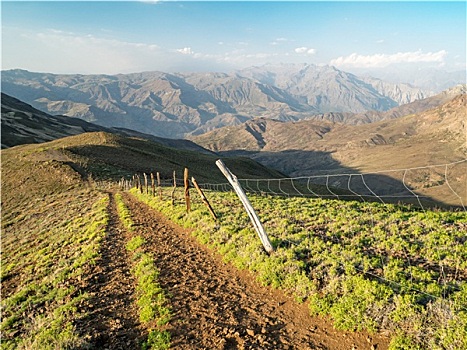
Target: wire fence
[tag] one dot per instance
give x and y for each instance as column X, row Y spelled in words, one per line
column 418, row 185
column 409, row 185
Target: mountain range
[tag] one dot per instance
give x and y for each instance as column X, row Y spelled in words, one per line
column 23, row 124
column 388, row 151
column 300, row 120
column 177, row 105
column 411, row 127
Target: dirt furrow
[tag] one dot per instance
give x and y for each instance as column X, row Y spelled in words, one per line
column 112, row 319
column 215, row 306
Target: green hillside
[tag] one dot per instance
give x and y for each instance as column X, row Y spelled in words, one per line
column 52, row 226
column 104, row 156
column 379, row 267
column 54, row 219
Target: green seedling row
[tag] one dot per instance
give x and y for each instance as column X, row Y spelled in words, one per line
column 151, row 298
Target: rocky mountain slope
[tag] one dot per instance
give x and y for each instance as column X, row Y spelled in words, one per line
column 262, row 135
column 175, row 105
column 24, row 124
column 332, row 90
column 416, row 106
column 309, row 147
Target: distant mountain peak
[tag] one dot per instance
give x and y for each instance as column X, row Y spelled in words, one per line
column 179, row 104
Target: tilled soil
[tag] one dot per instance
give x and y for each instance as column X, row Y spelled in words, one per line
column 216, row 306
column 111, row 320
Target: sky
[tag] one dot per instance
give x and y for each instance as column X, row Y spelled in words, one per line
column 111, row 37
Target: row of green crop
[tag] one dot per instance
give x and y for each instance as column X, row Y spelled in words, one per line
column 151, row 298
column 368, row 265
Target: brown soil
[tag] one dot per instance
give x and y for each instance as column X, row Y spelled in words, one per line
column 112, row 317
column 214, row 305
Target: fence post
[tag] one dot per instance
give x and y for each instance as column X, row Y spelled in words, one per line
column 146, row 183
column 203, row 198
column 140, row 184
column 159, row 185
column 153, row 189
column 248, row 207
column 186, row 182
column 173, row 191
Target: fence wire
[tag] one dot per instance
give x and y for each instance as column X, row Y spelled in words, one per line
column 410, row 185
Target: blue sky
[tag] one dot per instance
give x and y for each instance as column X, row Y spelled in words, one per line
column 123, row 37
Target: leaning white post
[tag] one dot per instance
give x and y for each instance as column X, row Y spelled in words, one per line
column 248, row 207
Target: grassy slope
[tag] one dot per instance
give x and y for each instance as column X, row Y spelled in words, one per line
column 52, row 224
column 107, row 156
column 53, row 220
column 368, row 265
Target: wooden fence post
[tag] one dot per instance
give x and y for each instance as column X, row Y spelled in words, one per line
column 173, row 191
column 146, row 183
column 153, row 186
column 140, row 184
column 186, row 182
column 159, row 185
column 204, row 199
column 248, row 207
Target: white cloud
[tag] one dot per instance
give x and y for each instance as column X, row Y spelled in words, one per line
column 66, row 52
column 305, row 50
column 384, row 60
column 186, row 51
column 279, row 41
